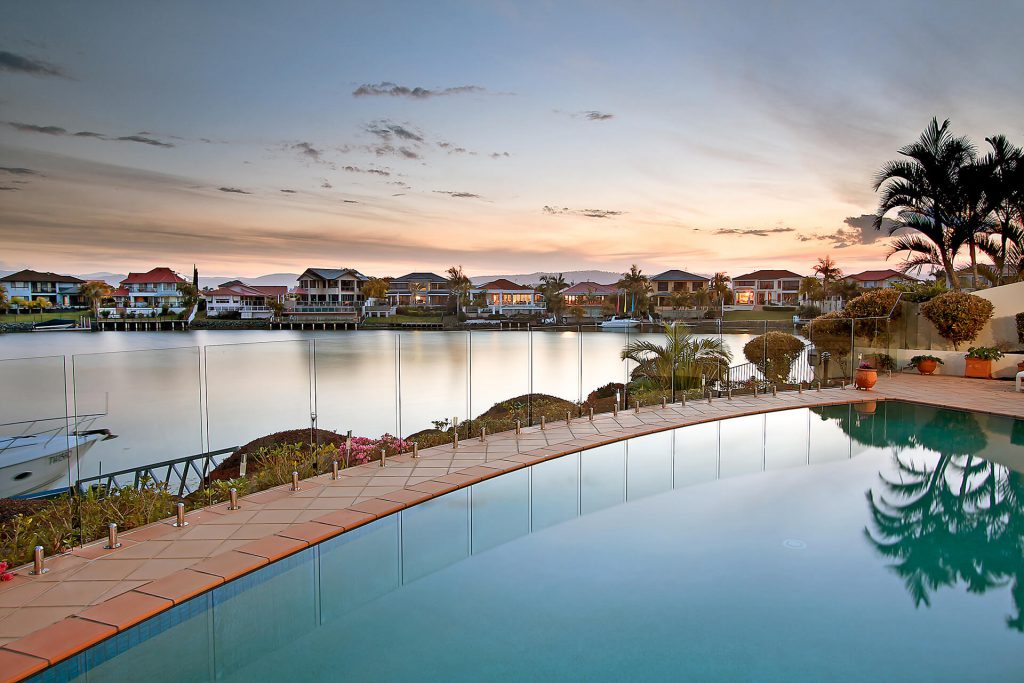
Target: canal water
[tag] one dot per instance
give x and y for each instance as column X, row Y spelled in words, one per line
column 171, row 394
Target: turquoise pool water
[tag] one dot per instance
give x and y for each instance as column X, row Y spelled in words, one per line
column 807, row 545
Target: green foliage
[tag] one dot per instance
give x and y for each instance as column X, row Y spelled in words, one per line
column 916, row 360
column 919, row 292
column 959, row 317
column 775, row 307
column 1020, row 327
column 773, row 353
column 885, row 361
column 984, row 353
column 830, row 333
column 874, row 303
column 684, row 356
column 808, row 311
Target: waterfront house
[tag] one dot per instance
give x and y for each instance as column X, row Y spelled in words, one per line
column 418, row 289
column 504, row 297
column 249, row 301
column 60, row 290
column 767, row 288
column 328, row 292
column 675, row 282
column 877, row 279
column 595, row 299
column 144, row 293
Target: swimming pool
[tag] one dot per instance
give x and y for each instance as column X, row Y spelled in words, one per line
column 816, row 544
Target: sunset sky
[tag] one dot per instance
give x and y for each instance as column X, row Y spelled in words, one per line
column 258, row 137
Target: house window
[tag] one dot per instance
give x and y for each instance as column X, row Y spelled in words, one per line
column 744, row 298
column 766, row 284
column 662, row 286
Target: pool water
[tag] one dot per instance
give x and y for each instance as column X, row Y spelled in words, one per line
column 828, row 544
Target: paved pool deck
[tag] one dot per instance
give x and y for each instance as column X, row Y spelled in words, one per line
column 92, row 593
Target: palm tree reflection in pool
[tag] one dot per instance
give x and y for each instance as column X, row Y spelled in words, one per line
column 961, row 520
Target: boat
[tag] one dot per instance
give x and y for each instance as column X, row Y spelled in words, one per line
column 619, row 322
column 36, row 463
column 55, row 324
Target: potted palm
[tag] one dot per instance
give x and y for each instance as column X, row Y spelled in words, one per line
column 926, row 364
column 979, row 361
column 865, row 377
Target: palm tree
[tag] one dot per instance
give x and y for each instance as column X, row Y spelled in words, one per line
column 415, row 289
column 922, row 189
column 719, row 285
column 678, row 300
column 680, row 362
column 637, row 286
column 829, row 271
column 550, row 288
column 811, row 290
column 458, row 286
column 1006, row 197
column 94, row 293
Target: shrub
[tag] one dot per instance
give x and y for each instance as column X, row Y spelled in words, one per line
column 984, row 353
column 1020, row 327
column 808, row 311
column 775, row 307
column 830, row 333
column 919, row 292
column 774, row 353
column 959, row 317
column 606, row 391
column 875, row 303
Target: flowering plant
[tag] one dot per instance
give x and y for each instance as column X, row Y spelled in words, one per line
column 4, row 574
column 865, row 366
column 365, row 449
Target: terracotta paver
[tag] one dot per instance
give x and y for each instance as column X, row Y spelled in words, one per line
column 15, row 666
column 160, row 565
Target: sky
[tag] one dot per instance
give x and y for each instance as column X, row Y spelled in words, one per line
column 255, row 137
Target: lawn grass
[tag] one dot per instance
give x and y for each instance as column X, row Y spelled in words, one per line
column 760, row 315
column 27, row 317
column 399, row 319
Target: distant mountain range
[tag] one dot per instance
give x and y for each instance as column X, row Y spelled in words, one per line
column 288, row 279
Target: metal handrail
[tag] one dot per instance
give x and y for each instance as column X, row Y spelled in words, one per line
column 160, row 473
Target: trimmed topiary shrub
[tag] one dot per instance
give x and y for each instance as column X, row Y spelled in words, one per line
column 876, row 303
column 959, row 317
column 774, row 353
column 830, row 333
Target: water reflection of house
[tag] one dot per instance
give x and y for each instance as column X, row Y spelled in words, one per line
column 767, row 287
column 595, row 299
column 504, row 297
column 151, row 291
column 59, row 290
column 328, row 292
column 418, row 289
column 676, row 282
column 249, row 301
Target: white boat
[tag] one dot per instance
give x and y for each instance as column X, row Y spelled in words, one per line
column 36, row 462
column 618, row 322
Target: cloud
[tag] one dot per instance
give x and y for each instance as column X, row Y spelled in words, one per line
column 373, row 171
column 13, row 63
column 32, row 128
column 586, row 213
column 308, row 150
column 452, row 148
column 859, row 230
column 389, row 89
column 752, row 232
column 18, row 171
column 4, row 188
column 349, row 201
column 144, row 140
column 288, row 191
column 389, row 130
column 596, row 115
column 233, row 190
column 326, row 184
column 459, row 195
column 59, row 131
column 499, row 155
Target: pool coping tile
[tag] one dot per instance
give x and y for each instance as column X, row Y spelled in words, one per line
column 312, row 532
column 181, row 586
column 272, row 547
column 126, row 610
column 63, row 639
column 345, row 519
column 229, row 565
column 14, row 666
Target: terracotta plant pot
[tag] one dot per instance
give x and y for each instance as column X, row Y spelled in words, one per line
column 865, row 378
column 927, row 367
column 978, row 367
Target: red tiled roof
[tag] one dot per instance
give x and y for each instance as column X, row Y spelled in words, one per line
column 876, row 275
column 120, row 291
column 590, row 288
column 155, row 275
column 769, row 275
column 504, row 285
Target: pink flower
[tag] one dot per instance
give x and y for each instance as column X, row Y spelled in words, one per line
column 3, row 566
column 6, row 576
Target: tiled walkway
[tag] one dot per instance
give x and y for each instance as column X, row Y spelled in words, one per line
column 92, row 593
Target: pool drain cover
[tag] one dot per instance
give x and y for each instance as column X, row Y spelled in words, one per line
column 794, row 544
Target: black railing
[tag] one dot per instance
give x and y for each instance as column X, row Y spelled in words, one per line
column 181, row 476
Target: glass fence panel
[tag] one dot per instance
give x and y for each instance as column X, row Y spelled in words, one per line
column 500, row 510
column 257, row 389
column 500, row 365
column 39, row 445
column 356, row 384
column 649, row 465
column 358, row 567
column 602, row 477
column 557, row 364
column 697, row 450
column 828, row 444
column 149, row 400
column 435, row 380
column 556, row 488
column 603, row 362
